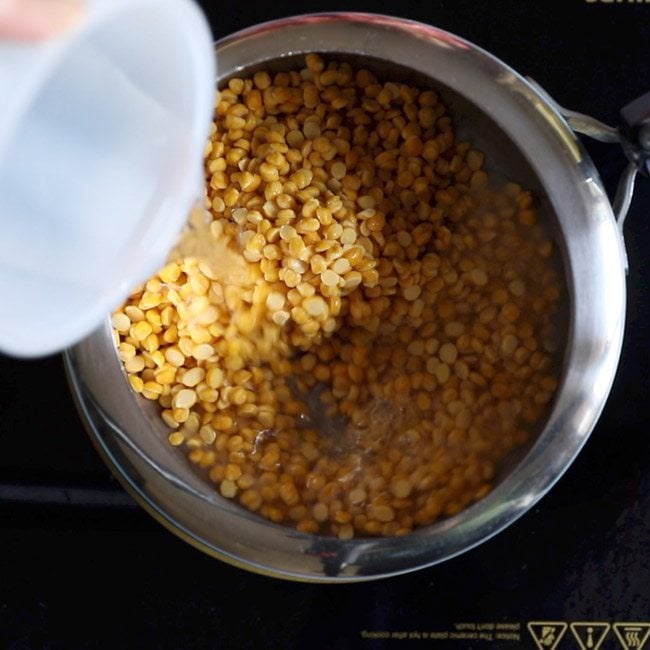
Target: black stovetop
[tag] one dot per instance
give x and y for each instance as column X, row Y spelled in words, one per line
column 81, row 566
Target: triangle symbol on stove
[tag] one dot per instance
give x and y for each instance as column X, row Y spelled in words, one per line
column 632, row 636
column 590, row 634
column 547, row 634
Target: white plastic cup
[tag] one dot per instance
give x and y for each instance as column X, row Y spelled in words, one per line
column 102, row 134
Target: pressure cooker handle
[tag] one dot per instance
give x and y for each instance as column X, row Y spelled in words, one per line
column 633, row 135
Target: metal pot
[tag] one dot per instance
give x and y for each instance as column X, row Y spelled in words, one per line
column 526, row 138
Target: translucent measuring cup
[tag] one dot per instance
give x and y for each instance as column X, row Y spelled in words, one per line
column 102, row 133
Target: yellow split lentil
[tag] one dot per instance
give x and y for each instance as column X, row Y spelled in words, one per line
column 366, row 325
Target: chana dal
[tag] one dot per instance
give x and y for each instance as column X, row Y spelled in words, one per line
column 374, row 326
